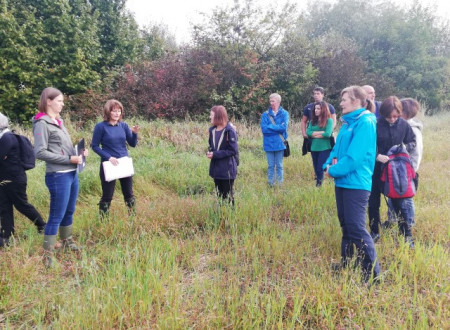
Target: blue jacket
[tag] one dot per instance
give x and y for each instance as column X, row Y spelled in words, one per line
column 271, row 133
column 113, row 140
column 223, row 164
column 355, row 151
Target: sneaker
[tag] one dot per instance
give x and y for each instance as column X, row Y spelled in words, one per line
column 375, row 237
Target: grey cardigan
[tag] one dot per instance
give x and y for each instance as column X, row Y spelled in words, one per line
column 53, row 145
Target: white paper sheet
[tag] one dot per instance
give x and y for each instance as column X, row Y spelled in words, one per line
column 122, row 170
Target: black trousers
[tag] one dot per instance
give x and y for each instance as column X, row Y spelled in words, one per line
column 108, row 187
column 225, row 189
column 15, row 194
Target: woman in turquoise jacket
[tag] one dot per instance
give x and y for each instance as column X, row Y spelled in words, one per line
column 351, row 165
column 274, row 122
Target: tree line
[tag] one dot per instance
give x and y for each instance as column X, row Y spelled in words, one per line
column 94, row 50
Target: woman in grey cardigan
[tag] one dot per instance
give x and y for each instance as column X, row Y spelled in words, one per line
column 53, row 145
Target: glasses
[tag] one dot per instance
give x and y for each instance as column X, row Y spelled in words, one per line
column 116, row 111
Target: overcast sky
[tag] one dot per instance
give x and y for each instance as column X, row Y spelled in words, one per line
column 178, row 14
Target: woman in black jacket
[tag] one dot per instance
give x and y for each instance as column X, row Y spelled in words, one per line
column 13, row 185
column 223, row 152
column 391, row 130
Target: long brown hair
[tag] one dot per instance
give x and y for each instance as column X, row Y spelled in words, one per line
column 49, row 93
column 325, row 114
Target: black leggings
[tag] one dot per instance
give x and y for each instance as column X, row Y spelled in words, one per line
column 224, row 189
column 108, row 187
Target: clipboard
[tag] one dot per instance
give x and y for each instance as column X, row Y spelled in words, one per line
column 79, row 149
column 122, row 170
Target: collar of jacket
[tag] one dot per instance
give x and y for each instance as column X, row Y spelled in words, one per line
column 271, row 111
column 351, row 117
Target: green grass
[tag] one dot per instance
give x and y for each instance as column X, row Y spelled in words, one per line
column 186, row 262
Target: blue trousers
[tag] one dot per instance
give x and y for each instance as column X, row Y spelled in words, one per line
column 319, row 158
column 351, row 208
column 63, row 188
column 275, row 164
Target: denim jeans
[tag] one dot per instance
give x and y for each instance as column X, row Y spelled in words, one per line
column 351, row 208
column 63, row 188
column 319, row 158
column 405, row 208
column 275, row 163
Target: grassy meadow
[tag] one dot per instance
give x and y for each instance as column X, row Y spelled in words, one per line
column 184, row 261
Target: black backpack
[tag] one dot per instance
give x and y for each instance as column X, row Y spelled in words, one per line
column 26, row 152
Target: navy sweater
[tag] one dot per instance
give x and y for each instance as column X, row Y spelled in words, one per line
column 113, row 140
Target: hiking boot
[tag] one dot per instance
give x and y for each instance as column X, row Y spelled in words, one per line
column 4, row 242
column 68, row 243
column 375, row 237
column 103, row 210
column 49, row 250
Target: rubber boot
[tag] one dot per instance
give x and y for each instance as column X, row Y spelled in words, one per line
column 65, row 233
column 49, row 250
column 103, row 210
column 131, row 205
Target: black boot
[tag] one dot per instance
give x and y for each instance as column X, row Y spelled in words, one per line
column 131, row 205
column 103, row 209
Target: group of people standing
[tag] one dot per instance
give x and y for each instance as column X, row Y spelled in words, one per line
column 53, row 145
column 354, row 162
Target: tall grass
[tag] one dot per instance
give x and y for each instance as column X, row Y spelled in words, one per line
column 185, row 261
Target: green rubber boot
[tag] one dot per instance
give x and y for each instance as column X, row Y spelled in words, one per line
column 65, row 233
column 49, row 250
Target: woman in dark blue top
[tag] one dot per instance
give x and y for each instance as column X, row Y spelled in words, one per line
column 113, row 134
column 223, row 152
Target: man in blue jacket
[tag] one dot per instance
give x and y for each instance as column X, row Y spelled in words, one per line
column 274, row 124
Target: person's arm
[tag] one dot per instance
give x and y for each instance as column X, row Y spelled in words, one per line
column 131, row 137
column 309, row 131
column 41, row 151
column 364, row 138
column 97, row 140
column 410, row 138
column 5, row 146
column 333, row 114
column 303, row 126
column 231, row 148
column 267, row 127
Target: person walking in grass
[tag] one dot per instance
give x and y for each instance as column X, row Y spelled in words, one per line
column 274, row 122
column 223, row 152
column 13, row 185
column 319, row 131
column 351, row 164
column 109, row 141
column 53, row 145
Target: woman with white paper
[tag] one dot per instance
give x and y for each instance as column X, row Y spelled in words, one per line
column 109, row 141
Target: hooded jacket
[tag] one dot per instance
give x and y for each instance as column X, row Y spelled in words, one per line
column 355, row 151
column 417, row 152
column 271, row 133
column 223, row 164
column 52, row 144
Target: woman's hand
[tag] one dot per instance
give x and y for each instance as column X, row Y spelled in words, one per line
column 135, row 129
column 114, row 161
column 382, row 158
column 209, row 154
column 76, row 159
column 85, row 152
column 325, row 171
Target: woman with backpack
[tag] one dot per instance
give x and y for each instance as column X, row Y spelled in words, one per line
column 392, row 130
column 53, row 145
column 351, row 165
column 109, row 141
column 223, row 152
column 319, row 131
column 13, row 185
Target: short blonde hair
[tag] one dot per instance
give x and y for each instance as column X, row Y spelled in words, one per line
column 275, row 96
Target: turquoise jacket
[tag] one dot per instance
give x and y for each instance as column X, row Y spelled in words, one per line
column 271, row 133
column 355, row 151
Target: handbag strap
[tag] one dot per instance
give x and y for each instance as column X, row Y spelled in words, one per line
column 273, row 122
column 214, row 138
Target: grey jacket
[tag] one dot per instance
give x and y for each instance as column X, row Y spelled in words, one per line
column 53, row 145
